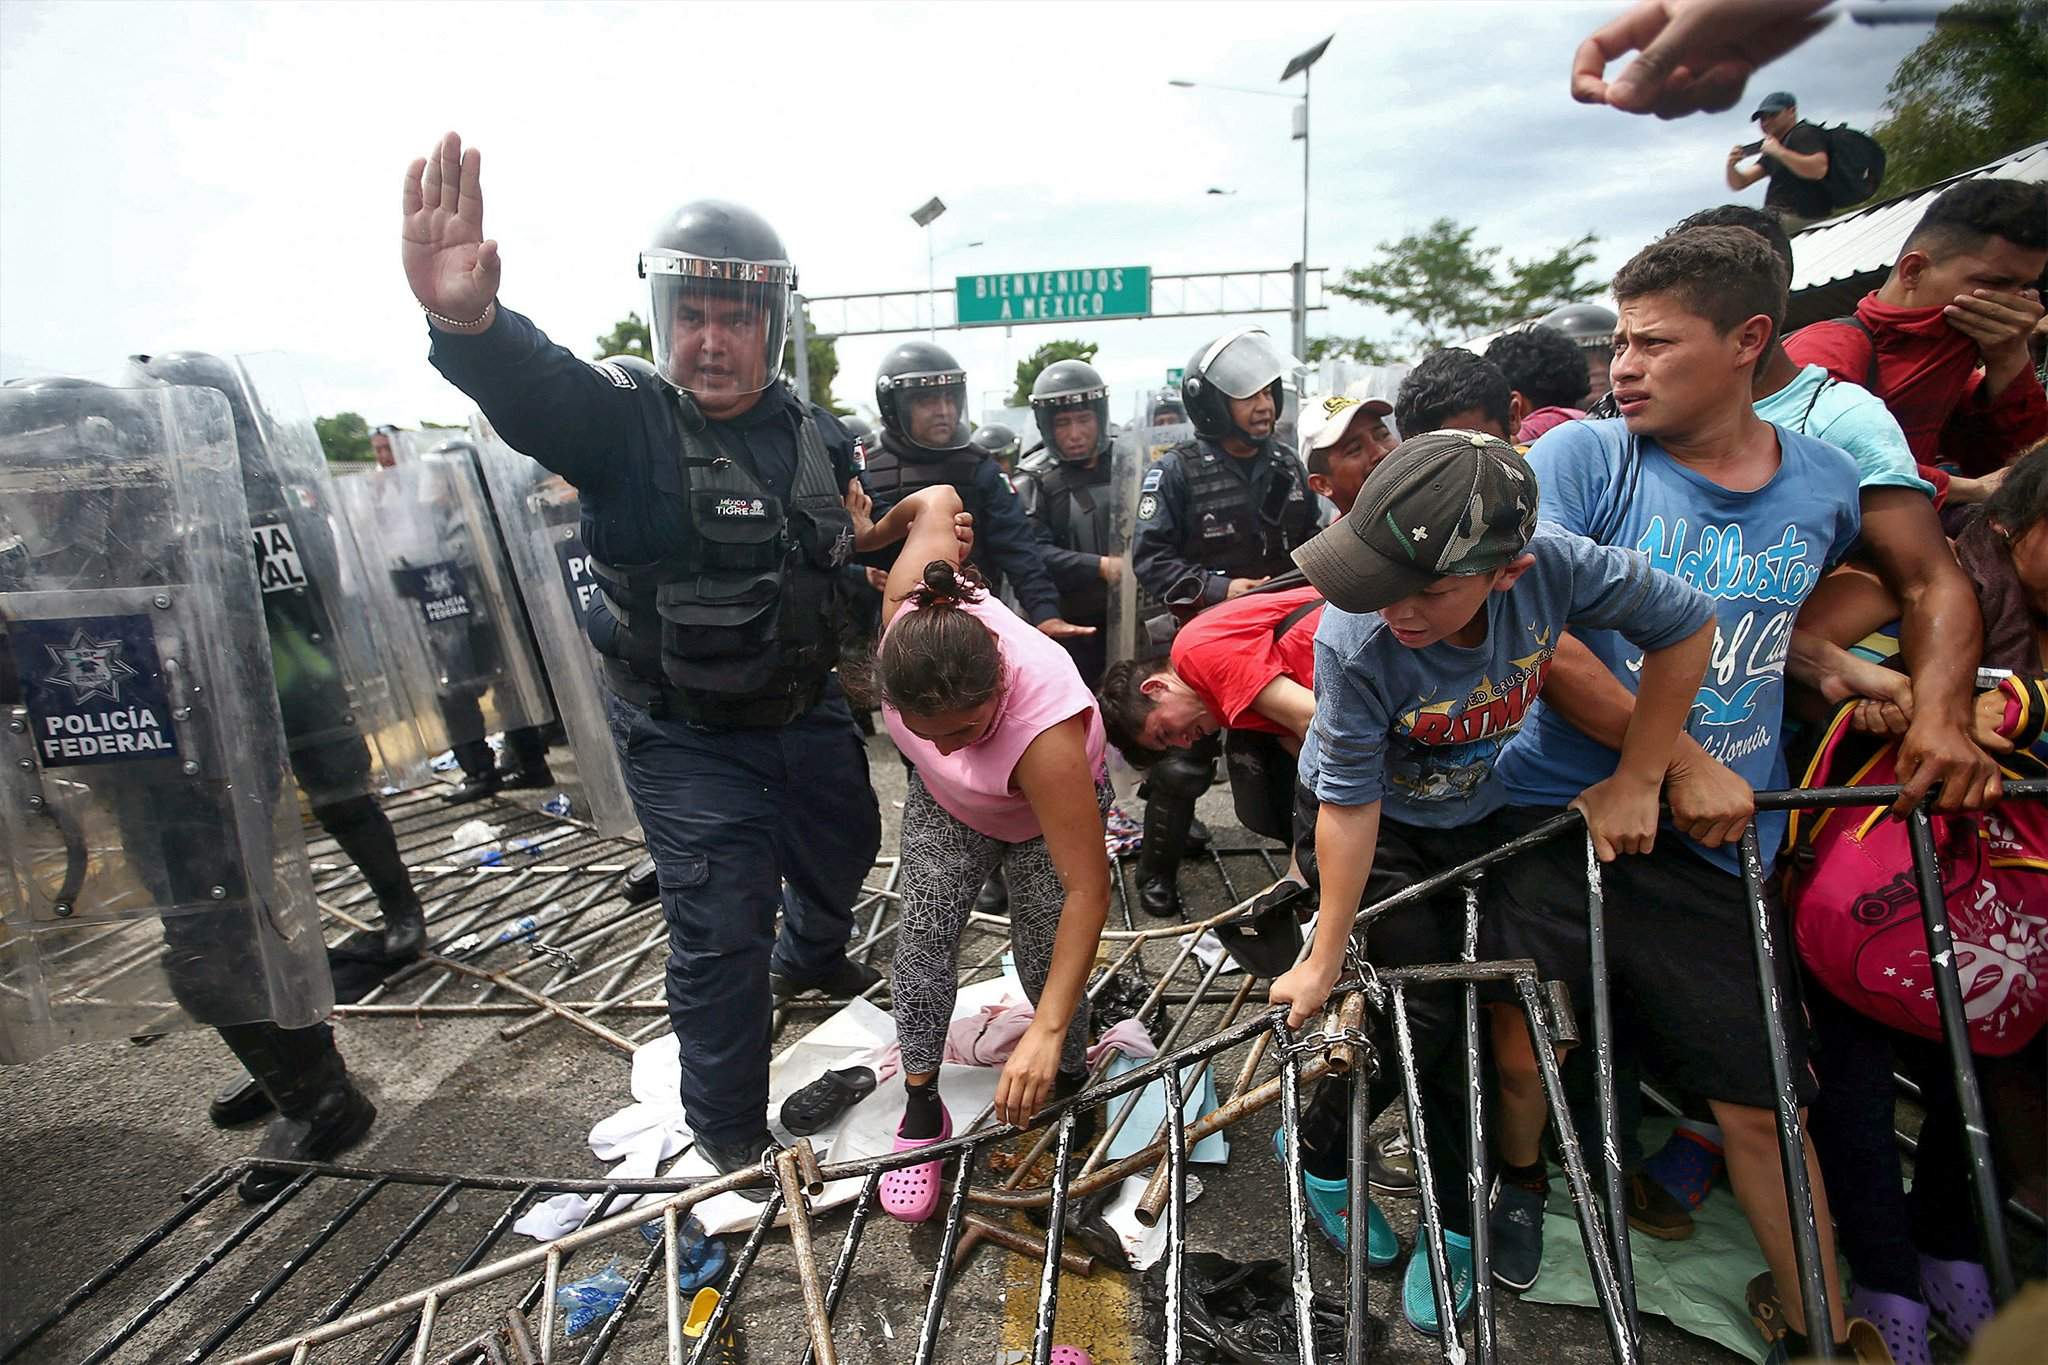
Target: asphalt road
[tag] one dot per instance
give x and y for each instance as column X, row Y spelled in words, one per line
column 97, row 1141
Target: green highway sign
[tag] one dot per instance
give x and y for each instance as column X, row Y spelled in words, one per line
column 1053, row 296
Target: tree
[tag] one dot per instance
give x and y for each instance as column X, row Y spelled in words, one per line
column 1443, row 289
column 1048, row 354
column 821, row 354
column 628, row 337
column 1971, row 93
column 344, row 436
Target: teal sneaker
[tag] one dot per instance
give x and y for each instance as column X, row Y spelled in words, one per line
column 1330, row 1202
column 1418, row 1290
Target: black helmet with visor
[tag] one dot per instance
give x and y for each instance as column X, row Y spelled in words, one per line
column 719, row 285
column 922, row 389
column 1068, row 387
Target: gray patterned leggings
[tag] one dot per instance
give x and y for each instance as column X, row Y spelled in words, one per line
column 944, row 865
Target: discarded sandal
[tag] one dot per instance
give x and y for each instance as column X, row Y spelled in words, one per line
column 726, row 1349
column 911, row 1195
column 820, row 1103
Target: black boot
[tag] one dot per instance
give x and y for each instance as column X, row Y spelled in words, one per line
column 1166, row 837
column 405, row 928
column 238, row 1102
column 526, row 760
column 320, row 1113
column 479, row 773
column 744, row 1155
column 641, row 883
column 995, row 895
column 364, row 833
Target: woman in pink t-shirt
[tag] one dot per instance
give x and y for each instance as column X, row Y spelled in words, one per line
column 1007, row 752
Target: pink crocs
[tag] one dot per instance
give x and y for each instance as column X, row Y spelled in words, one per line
column 911, row 1195
column 1070, row 1355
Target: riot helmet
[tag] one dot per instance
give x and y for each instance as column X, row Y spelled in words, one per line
column 92, row 425
column 200, row 370
column 1071, row 389
column 1237, row 365
column 719, row 285
column 857, row 427
column 1591, row 329
column 997, row 441
column 921, row 391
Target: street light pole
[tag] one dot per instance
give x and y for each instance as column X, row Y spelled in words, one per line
column 1299, row 66
column 924, row 215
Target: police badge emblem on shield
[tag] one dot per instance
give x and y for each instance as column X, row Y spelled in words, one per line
column 94, row 689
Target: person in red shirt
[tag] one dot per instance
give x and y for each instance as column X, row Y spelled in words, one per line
column 1248, row 663
column 1944, row 340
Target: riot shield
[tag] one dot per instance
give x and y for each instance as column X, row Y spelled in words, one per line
column 425, row 526
column 152, row 847
column 348, row 712
column 541, row 518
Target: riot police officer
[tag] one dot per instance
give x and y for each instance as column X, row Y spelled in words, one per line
column 1216, row 517
column 135, row 676
column 921, row 393
column 1068, row 501
column 1591, row 329
column 717, row 509
column 329, row 755
column 997, row 442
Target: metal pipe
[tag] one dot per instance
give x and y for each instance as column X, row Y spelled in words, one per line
column 1784, row 1090
column 1484, row 1345
column 816, row 1316
column 1358, row 1170
column 1955, row 1034
column 843, row 1270
column 741, row 1264
column 942, row 1272
column 1603, row 1080
column 1055, row 1233
column 1431, row 1239
column 1176, row 1225
column 1297, row 1214
column 1599, row 1257
column 236, row 1236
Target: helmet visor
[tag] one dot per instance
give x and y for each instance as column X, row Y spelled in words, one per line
column 718, row 325
column 931, row 408
column 1243, row 363
column 1074, row 426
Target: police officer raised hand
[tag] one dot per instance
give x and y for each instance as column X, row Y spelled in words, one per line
column 452, row 268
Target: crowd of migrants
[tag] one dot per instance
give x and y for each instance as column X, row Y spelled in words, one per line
column 1639, row 564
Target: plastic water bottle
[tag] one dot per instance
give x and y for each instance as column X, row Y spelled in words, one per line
column 559, row 805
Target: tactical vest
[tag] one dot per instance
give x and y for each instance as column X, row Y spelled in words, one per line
column 1077, row 505
column 1076, row 502
column 741, row 623
column 1224, row 529
column 893, row 474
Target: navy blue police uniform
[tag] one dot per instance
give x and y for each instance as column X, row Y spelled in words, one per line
column 719, row 546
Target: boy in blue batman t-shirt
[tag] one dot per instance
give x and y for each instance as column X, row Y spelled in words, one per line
column 1446, row 601
column 1753, row 515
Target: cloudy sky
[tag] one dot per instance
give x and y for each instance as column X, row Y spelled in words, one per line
column 226, row 177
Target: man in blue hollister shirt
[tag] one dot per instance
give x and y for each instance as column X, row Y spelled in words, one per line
column 1753, row 515
column 1446, row 600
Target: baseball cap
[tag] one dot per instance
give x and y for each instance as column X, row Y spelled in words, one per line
column 1324, row 420
column 1445, row 504
column 1774, row 102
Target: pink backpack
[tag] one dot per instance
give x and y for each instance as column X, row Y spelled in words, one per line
column 1858, row 919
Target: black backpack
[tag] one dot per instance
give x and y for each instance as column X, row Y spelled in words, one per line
column 1855, row 166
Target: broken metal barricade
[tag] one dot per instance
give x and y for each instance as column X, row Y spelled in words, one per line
column 794, row 1178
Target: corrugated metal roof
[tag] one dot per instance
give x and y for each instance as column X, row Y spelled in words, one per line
column 1869, row 239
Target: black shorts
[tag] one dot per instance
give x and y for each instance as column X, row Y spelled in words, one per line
column 1425, row 931
column 1682, row 973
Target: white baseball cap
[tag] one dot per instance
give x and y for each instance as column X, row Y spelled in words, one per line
column 1324, row 420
